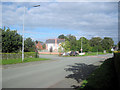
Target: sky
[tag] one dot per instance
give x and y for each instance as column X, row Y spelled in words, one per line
column 51, row 19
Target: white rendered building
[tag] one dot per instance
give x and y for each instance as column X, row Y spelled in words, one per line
column 53, row 44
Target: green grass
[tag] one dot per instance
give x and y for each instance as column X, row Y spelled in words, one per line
column 88, row 54
column 103, row 78
column 94, row 53
column 14, row 61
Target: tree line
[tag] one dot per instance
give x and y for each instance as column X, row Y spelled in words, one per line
column 12, row 42
column 93, row 45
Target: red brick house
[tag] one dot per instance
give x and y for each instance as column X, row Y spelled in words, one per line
column 39, row 46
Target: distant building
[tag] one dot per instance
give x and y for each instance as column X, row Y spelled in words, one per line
column 39, row 46
column 53, row 44
column 115, row 48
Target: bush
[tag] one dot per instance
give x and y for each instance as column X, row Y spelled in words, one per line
column 6, row 56
column 117, row 65
column 119, row 45
column 36, row 55
column 103, row 78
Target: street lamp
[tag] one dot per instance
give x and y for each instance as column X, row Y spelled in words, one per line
column 23, row 32
column 81, row 45
column 98, row 46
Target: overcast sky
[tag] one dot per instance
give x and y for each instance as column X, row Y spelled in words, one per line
column 88, row 19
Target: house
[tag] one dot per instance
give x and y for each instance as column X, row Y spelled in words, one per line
column 39, row 46
column 115, row 48
column 53, row 44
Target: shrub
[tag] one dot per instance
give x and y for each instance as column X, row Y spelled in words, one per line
column 103, row 78
column 6, row 56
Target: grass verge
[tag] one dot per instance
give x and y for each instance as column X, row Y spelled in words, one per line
column 14, row 61
column 88, row 54
column 103, row 78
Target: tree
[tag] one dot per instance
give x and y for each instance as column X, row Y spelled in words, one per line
column 36, row 41
column 107, row 43
column 60, row 50
column 72, row 40
column 62, row 36
column 85, row 44
column 29, row 45
column 66, row 46
column 0, row 40
column 11, row 41
column 95, row 43
column 44, row 46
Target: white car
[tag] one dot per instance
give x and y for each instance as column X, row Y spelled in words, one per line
column 65, row 54
column 81, row 53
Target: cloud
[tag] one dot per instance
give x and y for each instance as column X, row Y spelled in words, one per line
column 60, row 0
column 52, row 14
column 92, row 18
column 0, row 15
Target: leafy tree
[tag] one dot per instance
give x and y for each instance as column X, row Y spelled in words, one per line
column 97, row 48
column 72, row 40
column 96, row 45
column 62, row 36
column 60, row 50
column 107, row 43
column 0, row 40
column 66, row 46
column 36, row 41
column 44, row 46
column 85, row 44
column 11, row 41
column 95, row 41
column 29, row 45
column 94, row 49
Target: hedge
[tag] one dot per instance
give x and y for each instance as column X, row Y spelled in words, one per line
column 117, row 64
column 6, row 56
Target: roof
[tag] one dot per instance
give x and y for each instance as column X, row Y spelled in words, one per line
column 53, row 40
column 39, row 46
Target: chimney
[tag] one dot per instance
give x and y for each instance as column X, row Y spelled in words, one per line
column 56, row 43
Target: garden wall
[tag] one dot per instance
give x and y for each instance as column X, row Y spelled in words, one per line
column 54, row 53
column 117, row 65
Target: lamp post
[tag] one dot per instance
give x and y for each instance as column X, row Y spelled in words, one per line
column 23, row 37
column 23, row 32
column 98, row 47
column 81, row 45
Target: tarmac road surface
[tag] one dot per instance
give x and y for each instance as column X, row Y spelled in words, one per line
column 59, row 72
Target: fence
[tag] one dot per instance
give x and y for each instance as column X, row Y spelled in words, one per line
column 6, row 56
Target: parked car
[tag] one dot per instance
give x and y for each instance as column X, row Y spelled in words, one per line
column 73, row 53
column 65, row 54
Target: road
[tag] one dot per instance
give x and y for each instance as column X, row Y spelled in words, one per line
column 59, row 72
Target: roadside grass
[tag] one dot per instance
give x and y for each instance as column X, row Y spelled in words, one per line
column 15, row 61
column 88, row 54
column 94, row 53
column 103, row 78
